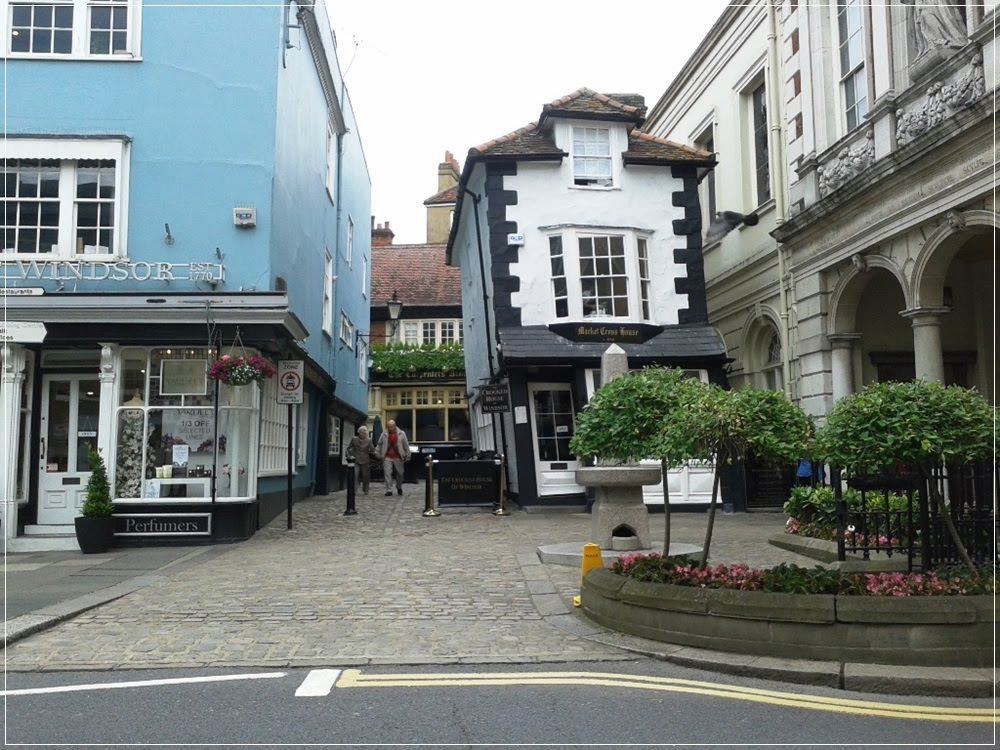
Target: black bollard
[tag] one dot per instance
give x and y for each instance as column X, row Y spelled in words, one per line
column 498, row 462
column 351, row 511
column 429, row 490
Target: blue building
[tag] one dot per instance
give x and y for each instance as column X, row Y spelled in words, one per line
column 184, row 186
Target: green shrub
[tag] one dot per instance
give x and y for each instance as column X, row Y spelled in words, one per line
column 98, row 503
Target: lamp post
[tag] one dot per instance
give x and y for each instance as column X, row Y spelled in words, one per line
column 395, row 308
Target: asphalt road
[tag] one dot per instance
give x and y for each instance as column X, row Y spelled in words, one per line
column 610, row 704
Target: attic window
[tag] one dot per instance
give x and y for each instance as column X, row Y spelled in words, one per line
column 592, row 157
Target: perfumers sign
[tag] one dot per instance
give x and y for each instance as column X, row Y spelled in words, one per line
column 122, row 270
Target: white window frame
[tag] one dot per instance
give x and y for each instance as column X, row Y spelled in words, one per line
column 273, row 453
column 419, row 339
column 759, row 84
column 364, row 276
column 591, row 138
column 571, row 266
column 302, row 430
column 852, row 74
column 346, row 331
column 69, row 152
column 333, row 438
column 349, row 250
column 327, row 293
column 362, row 360
column 81, row 31
column 708, row 190
column 331, row 163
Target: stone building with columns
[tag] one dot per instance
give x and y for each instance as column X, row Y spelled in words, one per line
column 862, row 136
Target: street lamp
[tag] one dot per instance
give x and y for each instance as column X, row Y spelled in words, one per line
column 395, row 308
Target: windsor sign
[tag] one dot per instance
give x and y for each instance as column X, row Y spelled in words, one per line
column 120, row 270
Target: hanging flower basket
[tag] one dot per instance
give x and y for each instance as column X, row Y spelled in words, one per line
column 241, row 370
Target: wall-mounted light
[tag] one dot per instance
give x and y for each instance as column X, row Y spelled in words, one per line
column 395, row 309
column 168, row 239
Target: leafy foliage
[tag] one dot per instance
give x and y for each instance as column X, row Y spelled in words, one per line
column 407, row 360
column 792, row 579
column 98, row 503
column 916, row 423
column 628, row 418
column 733, row 424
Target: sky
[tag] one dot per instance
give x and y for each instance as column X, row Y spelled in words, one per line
column 446, row 75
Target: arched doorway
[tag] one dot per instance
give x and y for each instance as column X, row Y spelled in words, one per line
column 956, row 274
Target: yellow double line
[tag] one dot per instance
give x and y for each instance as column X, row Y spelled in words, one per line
column 353, row 678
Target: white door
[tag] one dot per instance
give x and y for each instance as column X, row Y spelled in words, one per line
column 70, row 408
column 552, row 427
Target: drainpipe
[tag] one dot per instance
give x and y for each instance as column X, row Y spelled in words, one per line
column 780, row 180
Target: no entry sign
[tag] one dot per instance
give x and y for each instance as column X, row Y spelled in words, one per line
column 290, row 374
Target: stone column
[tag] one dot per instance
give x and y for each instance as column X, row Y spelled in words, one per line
column 927, row 353
column 12, row 358
column 109, row 400
column 614, row 363
column 842, row 363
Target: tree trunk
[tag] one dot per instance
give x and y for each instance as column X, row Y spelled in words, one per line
column 945, row 511
column 666, row 508
column 711, row 514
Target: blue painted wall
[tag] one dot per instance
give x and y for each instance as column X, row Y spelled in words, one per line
column 307, row 221
column 199, row 114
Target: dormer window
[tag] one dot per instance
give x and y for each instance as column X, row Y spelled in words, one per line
column 592, row 157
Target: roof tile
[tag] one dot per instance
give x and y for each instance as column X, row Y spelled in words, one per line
column 417, row 273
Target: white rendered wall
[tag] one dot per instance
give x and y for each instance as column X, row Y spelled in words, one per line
column 641, row 200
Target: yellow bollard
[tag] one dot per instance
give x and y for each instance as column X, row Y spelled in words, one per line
column 591, row 559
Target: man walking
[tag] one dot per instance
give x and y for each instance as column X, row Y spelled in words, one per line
column 394, row 450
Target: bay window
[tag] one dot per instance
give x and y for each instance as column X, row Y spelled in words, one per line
column 600, row 276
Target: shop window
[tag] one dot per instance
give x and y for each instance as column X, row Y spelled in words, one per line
column 168, row 444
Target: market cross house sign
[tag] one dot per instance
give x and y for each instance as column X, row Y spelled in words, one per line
column 121, row 270
column 606, row 332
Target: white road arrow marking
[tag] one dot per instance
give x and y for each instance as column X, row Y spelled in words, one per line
column 140, row 683
column 318, row 682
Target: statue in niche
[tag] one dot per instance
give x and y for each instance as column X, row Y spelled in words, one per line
column 936, row 30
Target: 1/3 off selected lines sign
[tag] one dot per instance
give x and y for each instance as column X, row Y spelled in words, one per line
column 290, row 376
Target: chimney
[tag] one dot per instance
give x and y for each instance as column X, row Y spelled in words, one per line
column 448, row 172
column 381, row 235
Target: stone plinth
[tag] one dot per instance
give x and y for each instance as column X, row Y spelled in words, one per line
column 618, row 502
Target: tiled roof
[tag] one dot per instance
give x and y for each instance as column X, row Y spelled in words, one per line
column 417, row 273
column 644, row 148
column 526, row 141
column 584, row 101
column 445, row 196
column 529, row 345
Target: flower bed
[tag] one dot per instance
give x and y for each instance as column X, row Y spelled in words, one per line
column 861, row 618
column 792, row 579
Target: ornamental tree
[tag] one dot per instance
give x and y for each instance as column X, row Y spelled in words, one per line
column 727, row 426
column 625, row 419
column 919, row 424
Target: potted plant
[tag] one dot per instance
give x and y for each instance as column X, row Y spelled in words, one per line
column 241, row 370
column 95, row 531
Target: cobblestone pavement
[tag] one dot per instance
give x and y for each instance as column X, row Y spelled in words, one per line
column 384, row 586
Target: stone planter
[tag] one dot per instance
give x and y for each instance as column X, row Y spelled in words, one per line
column 927, row 631
column 619, row 512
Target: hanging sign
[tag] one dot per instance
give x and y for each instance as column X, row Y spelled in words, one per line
column 291, row 373
column 494, row 398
